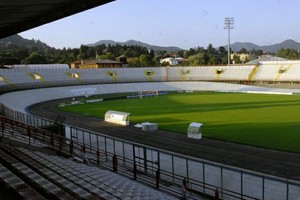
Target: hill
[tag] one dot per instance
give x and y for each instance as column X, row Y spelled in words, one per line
column 138, row 43
column 287, row 44
column 17, row 40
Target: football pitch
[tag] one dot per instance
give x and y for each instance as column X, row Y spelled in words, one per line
column 262, row 120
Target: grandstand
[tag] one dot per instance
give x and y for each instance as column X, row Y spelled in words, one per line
column 265, row 72
column 278, row 71
column 56, row 177
column 39, row 66
column 29, row 170
column 16, row 97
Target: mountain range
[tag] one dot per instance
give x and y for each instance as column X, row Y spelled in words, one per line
column 138, row 43
column 17, row 40
column 287, row 44
column 291, row 44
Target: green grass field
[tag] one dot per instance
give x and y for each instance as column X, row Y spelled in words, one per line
column 268, row 121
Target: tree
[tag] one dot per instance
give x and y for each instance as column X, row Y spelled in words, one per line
column 212, row 55
column 258, row 52
column 82, row 52
column 222, row 56
column 198, row 59
column 156, row 60
column 236, row 59
column 186, row 54
column 211, row 50
column 243, row 50
column 36, row 58
column 152, row 54
column 91, row 52
column 288, row 53
column 107, row 56
column 145, row 60
column 133, row 62
column 180, row 53
column 7, row 58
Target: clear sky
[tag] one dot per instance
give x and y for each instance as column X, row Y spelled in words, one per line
column 182, row 23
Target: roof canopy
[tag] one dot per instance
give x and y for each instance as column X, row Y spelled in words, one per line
column 20, row 15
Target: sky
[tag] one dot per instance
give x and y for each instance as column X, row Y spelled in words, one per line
column 182, row 23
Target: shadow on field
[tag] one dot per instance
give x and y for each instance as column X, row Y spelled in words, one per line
column 279, row 136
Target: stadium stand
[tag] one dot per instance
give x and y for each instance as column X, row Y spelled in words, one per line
column 55, row 177
column 236, row 73
column 40, row 66
column 16, row 185
column 276, row 71
column 66, row 178
column 289, row 72
column 191, row 73
column 96, row 180
column 14, row 76
column 44, row 186
column 267, row 72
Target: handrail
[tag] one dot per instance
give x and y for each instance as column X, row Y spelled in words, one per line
column 72, row 148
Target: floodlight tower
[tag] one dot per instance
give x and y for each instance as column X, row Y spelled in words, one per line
column 228, row 24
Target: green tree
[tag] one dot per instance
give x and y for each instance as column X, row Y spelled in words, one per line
column 198, row 59
column 134, row 62
column 107, row 56
column 7, row 58
column 288, row 53
column 243, row 50
column 36, row 58
column 222, row 55
column 236, row 59
column 258, row 52
column 145, row 60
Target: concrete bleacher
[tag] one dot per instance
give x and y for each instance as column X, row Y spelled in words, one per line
column 16, row 186
column 54, row 177
column 55, row 75
column 206, row 73
column 266, row 71
column 191, row 73
column 236, row 73
column 291, row 72
column 40, row 66
column 51, row 77
column 15, row 76
column 42, row 185
column 99, row 181
column 107, row 75
column 278, row 71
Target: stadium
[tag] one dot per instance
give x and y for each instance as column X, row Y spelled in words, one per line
column 55, row 84
column 50, row 154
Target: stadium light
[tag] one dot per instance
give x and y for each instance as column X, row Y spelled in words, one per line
column 228, row 24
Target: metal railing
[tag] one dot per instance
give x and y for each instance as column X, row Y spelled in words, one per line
column 156, row 167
